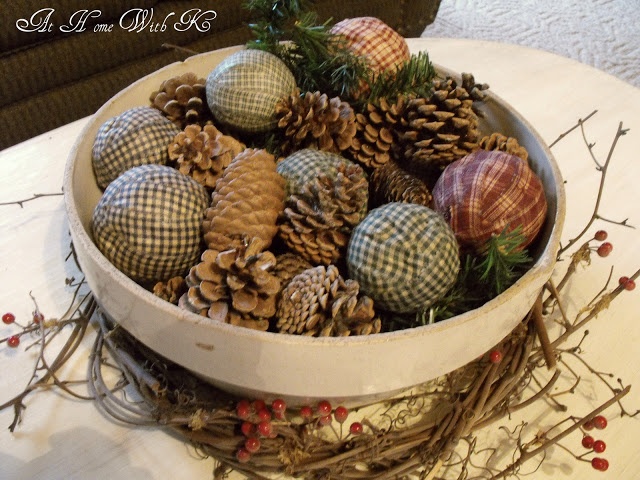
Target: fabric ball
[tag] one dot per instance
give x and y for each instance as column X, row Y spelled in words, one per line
column 148, row 221
column 404, row 256
column 138, row 136
column 486, row 192
column 243, row 90
column 304, row 165
column 371, row 38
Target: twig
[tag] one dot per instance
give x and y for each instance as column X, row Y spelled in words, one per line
column 34, row 197
column 580, row 122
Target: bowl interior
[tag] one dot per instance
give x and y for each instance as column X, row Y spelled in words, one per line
column 304, row 369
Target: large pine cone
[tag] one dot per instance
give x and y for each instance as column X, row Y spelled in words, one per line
column 203, row 153
column 288, row 265
column 234, row 286
column 183, row 100
column 314, row 120
column 374, row 137
column 319, row 302
column 247, row 200
column 392, row 183
column 498, row 141
column 317, row 221
column 438, row 130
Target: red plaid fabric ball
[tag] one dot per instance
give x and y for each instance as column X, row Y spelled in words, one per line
column 369, row 37
column 487, row 192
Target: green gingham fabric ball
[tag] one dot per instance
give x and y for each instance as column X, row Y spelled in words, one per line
column 148, row 222
column 137, row 136
column 404, row 256
column 243, row 90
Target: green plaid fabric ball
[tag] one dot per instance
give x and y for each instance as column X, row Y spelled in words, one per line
column 243, row 90
column 138, row 136
column 147, row 222
column 404, row 256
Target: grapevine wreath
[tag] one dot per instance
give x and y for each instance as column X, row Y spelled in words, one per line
column 270, row 188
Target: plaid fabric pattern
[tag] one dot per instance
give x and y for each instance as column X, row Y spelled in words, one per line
column 243, row 90
column 147, row 222
column 404, row 256
column 302, row 166
column 138, row 136
column 373, row 39
column 487, row 191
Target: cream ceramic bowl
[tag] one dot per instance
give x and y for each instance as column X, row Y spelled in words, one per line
column 351, row 370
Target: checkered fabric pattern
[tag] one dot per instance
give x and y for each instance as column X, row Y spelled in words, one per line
column 371, row 38
column 487, row 191
column 302, row 166
column 243, row 90
column 138, row 136
column 404, row 256
column 148, row 221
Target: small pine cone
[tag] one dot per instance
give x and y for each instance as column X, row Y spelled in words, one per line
column 234, row 284
column 314, row 120
column 497, row 141
column 247, row 199
column 392, row 183
column 319, row 302
column 288, row 265
column 171, row 290
column 438, row 130
column 183, row 100
column 203, row 153
column 374, row 137
column 317, row 221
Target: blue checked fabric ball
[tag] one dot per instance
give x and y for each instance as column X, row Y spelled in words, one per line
column 243, row 90
column 148, row 221
column 138, row 136
column 404, row 256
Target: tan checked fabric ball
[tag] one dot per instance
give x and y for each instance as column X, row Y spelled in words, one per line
column 137, row 136
column 486, row 192
column 147, row 222
column 369, row 37
column 243, row 90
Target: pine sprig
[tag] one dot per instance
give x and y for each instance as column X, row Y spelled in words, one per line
column 414, row 77
column 504, row 260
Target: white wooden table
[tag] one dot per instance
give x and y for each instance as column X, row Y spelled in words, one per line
column 64, row 438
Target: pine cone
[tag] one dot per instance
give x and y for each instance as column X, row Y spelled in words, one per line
column 313, row 120
column 319, row 302
column 441, row 129
column 247, row 200
column 234, row 286
column 374, row 137
column 392, row 183
column 203, row 153
column 288, row 265
column 183, row 100
column 497, row 141
column 317, row 221
column 171, row 290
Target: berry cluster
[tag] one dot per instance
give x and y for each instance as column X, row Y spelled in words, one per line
column 598, row 422
column 13, row 341
column 603, row 250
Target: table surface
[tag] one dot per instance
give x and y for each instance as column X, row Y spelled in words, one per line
column 60, row 437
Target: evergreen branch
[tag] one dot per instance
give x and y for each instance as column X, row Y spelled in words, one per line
column 414, row 77
column 503, row 260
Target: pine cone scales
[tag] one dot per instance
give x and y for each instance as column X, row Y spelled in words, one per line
column 314, row 120
column 391, row 183
column 203, row 153
column 497, row 141
column 182, row 99
column 247, row 200
column 316, row 221
column 319, row 302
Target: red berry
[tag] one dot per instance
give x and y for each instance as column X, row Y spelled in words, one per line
column 243, row 409
column 37, row 317
column 324, row 408
column 247, row 429
column 356, row 428
column 627, row 283
column 587, row 441
column 605, row 249
column 325, row 419
column 265, row 428
column 495, row 356
column 13, row 341
column 600, row 422
column 264, row 415
column 278, row 405
column 341, row 413
column 8, row 318
column 600, row 464
column 599, row 446
column 242, row 455
column 259, row 405
column 601, row 235
column 252, row 444
column 588, row 425
column 306, row 412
